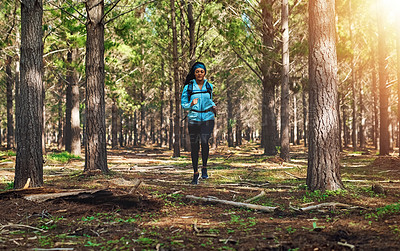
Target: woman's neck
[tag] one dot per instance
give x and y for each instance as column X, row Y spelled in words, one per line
column 200, row 83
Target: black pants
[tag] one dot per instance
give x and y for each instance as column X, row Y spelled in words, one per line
column 200, row 131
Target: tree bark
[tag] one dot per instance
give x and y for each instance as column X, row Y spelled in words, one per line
column 114, row 125
column 10, row 112
column 171, row 119
column 375, row 102
column 269, row 127
column 229, row 112
column 362, row 118
column 135, row 132
column 353, row 84
column 384, row 141
column 285, row 94
column 398, row 79
column 60, row 136
column 305, row 113
column 72, row 117
column 29, row 159
column 95, row 145
column 177, row 151
column 323, row 152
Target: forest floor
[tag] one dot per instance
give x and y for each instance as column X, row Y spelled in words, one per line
column 109, row 214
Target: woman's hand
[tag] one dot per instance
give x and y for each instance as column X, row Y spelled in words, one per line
column 214, row 110
column 194, row 102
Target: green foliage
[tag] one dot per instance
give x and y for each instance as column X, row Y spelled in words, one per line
column 8, row 153
column 317, row 195
column 63, row 157
column 388, row 210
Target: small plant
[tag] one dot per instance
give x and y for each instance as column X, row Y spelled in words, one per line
column 9, row 186
column 319, row 196
column 92, row 244
column 145, row 241
column 290, row 230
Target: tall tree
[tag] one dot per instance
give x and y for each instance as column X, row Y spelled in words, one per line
column 398, row 77
column 177, row 126
column 10, row 118
column 323, row 152
column 285, row 94
column 95, row 144
column 29, row 159
column 353, row 82
column 72, row 120
column 384, row 141
column 269, row 128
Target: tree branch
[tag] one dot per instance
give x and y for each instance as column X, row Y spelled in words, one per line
column 126, row 12
column 251, row 68
column 112, row 7
column 76, row 10
column 72, row 15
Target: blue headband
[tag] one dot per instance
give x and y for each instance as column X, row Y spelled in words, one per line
column 199, row 66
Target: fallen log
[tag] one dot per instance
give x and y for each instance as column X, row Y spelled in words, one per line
column 256, row 197
column 233, row 203
column 51, row 196
column 329, row 204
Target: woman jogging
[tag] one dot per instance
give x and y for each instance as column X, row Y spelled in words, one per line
column 197, row 99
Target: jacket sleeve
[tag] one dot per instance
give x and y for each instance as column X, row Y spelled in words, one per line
column 212, row 89
column 184, row 99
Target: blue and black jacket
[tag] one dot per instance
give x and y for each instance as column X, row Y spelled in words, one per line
column 202, row 111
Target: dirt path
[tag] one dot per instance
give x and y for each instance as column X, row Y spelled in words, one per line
column 159, row 216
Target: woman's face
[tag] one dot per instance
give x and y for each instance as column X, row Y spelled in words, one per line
column 199, row 74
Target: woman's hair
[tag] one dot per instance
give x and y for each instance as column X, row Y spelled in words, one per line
column 190, row 75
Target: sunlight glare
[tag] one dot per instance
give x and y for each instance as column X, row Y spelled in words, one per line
column 391, row 9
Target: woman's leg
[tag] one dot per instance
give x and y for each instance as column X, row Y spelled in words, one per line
column 206, row 131
column 194, row 133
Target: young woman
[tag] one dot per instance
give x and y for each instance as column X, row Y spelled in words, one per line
column 197, row 99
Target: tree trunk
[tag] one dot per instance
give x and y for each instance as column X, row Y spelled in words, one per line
column 120, row 128
column 29, row 159
column 384, row 141
column 269, row 128
column 238, row 117
column 142, row 119
column 229, row 112
column 353, row 84
column 114, row 126
column 340, row 123
column 191, row 28
column 177, row 151
column 171, row 119
column 295, row 125
column 95, row 145
column 60, row 136
column 305, row 126
column 72, row 119
column 362, row 118
column 375, row 102
column 398, row 79
column 285, row 94
column 323, row 152
column 135, row 132
column 162, row 91
column 10, row 112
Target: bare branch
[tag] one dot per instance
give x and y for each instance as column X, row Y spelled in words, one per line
column 126, row 12
column 113, row 6
column 76, row 10
column 63, row 10
column 251, row 68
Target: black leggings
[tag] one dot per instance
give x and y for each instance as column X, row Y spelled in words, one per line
column 200, row 131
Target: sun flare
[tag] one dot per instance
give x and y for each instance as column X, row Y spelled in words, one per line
column 390, row 9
